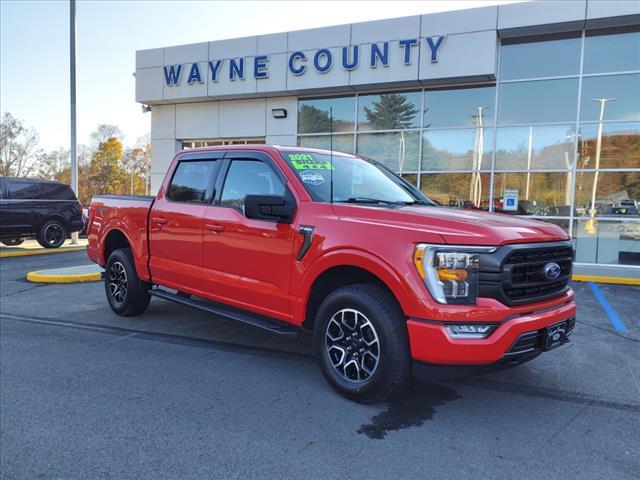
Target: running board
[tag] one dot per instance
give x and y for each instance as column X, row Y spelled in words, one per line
column 265, row 323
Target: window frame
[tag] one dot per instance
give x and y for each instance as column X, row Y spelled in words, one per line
column 223, row 172
column 210, row 191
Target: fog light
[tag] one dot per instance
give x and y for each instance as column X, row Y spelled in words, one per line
column 470, row 330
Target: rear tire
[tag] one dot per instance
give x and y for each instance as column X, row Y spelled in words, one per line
column 12, row 242
column 361, row 343
column 52, row 234
column 127, row 294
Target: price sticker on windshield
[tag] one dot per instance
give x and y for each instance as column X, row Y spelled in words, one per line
column 306, row 161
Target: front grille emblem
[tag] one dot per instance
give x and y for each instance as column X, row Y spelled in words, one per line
column 552, row 270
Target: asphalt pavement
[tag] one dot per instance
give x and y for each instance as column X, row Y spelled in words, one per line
column 176, row 393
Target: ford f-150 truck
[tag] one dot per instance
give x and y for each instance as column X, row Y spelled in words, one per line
column 392, row 285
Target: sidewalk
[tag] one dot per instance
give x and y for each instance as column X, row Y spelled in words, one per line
column 32, row 247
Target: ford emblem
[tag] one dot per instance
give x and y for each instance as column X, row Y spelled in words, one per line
column 552, row 270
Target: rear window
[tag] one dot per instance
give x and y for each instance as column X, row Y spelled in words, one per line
column 192, row 182
column 25, row 190
column 57, row 191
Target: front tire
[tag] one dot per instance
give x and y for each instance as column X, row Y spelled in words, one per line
column 12, row 242
column 127, row 294
column 52, row 234
column 361, row 343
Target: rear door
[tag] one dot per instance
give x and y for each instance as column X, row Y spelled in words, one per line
column 176, row 223
column 19, row 216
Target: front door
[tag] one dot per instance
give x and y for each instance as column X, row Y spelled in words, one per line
column 247, row 262
column 175, row 225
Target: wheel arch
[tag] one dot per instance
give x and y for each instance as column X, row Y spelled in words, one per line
column 342, row 270
column 114, row 239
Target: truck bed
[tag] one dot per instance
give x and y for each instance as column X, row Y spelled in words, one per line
column 123, row 213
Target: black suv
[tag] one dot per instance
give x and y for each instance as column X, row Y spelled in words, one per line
column 43, row 209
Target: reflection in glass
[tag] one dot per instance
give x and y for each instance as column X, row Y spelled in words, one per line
column 619, row 148
column 313, row 115
column 389, row 111
column 538, row 102
column 611, row 53
column 599, row 241
column 341, row 143
column 412, row 178
column 538, row 193
column 608, row 193
column 621, row 91
column 540, row 59
column 537, row 147
column 398, row 151
column 461, row 107
column 457, row 149
column 465, row 190
column 563, row 224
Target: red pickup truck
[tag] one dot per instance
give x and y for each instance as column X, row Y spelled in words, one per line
column 392, row 285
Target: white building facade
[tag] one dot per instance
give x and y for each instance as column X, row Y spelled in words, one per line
column 531, row 109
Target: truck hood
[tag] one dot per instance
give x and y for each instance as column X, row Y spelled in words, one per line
column 456, row 226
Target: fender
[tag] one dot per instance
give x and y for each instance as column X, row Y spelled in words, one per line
column 138, row 246
column 347, row 257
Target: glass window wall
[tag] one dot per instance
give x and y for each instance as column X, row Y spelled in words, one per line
column 573, row 160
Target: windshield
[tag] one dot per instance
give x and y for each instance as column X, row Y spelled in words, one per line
column 354, row 180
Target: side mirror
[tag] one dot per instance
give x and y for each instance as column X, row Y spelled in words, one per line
column 277, row 208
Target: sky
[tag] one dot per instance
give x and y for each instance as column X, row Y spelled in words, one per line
column 34, row 50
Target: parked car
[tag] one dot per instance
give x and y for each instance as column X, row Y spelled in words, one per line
column 392, row 286
column 43, row 209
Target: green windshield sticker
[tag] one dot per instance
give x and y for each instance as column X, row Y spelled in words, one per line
column 306, row 161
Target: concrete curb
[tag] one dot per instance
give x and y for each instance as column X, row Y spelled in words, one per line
column 82, row 273
column 600, row 279
column 43, row 251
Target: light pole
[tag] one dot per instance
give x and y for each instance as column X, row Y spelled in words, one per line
column 72, row 70
column 603, row 102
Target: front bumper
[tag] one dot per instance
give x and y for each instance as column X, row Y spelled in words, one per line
column 430, row 343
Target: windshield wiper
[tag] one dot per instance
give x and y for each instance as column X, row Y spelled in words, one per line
column 378, row 201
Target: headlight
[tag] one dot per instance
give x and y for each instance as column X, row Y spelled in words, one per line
column 450, row 273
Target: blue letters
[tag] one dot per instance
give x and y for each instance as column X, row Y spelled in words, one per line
column 435, row 47
column 214, row 67
column 345, row 58
column 323, row 52
column 407, row 44
column 172, row 75
column 236, row 68
column 260, row 66
column 194, row 74
column 299, row 70
column 376, row 54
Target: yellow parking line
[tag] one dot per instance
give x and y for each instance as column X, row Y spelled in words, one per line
column 599, row 279
column 43, row 251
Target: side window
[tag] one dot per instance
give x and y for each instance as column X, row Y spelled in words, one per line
column 22, row 190
column 192, row 182
column 56, row 191
column 249, row 177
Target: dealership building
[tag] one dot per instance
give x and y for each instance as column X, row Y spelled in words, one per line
column 528, row 108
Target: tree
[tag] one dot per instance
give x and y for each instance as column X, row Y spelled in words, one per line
column 104, row 132
column 137, row 161
column 107, row 175
column 55, row 165
column 393, row 111
column 18, row 147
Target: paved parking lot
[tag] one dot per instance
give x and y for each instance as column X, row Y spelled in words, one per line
column 179, row 394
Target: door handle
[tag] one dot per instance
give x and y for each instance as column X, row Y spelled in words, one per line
column 159, row 220
column 214, row 228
